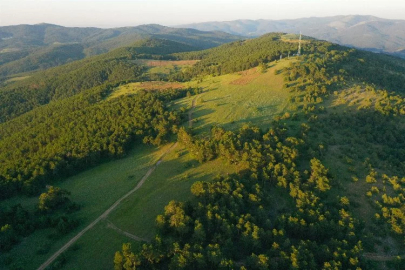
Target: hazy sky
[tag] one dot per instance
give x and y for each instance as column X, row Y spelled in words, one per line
column 108, row 13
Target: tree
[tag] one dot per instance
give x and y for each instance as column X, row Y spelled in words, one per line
column 54, row 198
column 319, row 176
column 118, row 261
column 127, row 259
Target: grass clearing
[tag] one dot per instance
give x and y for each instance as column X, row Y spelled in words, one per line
column 165, row 67
column 7, row 50
column 132, row 88
column 96, row 249
column 163, row 63
column 232, row 99
column 293, row 38
column 95, row 190
column 170, row 181
column 98, row 188
column 16, row 79
column 136, row 215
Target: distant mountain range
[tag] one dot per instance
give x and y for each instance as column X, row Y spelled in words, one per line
column 97, row 39
column 366, row 32
column 25, row 48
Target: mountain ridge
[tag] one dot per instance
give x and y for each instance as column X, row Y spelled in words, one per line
column 361, row 31
column 16, row 42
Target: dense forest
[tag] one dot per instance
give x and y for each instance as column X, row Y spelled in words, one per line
column 62, row 138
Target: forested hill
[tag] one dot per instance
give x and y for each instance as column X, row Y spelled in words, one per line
column 322, row 187
column 240, row 55
column 319, row 185
column 44, row 45
column 41, row 59
column 383, row 70
column 67, row 80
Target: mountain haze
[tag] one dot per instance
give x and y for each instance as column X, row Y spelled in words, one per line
column 31, row 47
column 366, row 32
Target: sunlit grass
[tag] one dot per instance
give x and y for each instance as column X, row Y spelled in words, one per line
column 245, row 97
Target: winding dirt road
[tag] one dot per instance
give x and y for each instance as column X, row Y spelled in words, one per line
column 130, row 235
column 381, row 258
column 190, row 113
column 106, row 213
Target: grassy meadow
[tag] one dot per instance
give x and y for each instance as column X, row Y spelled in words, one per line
column 251, row 96
column 95, row 190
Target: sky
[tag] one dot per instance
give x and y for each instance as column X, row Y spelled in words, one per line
column 109, row 13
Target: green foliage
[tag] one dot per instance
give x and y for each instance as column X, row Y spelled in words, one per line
column 126, row 260
column 7, row 237
column 53, row 211
column 226, row 221
column 319, row 176
column 390, row 203
column 282, row 210
column 53, row 199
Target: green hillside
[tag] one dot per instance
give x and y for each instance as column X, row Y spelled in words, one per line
column 335, row 105
column 57, row 83
column 54, row 55
column 262, row 161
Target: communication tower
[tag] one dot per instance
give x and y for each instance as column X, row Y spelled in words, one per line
column 299, row 46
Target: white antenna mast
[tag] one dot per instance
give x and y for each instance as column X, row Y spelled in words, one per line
column 299, row 46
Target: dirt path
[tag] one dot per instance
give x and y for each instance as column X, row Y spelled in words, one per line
column 190, row 113
column 106, row 213
column 136, row 238
column 380, row 258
